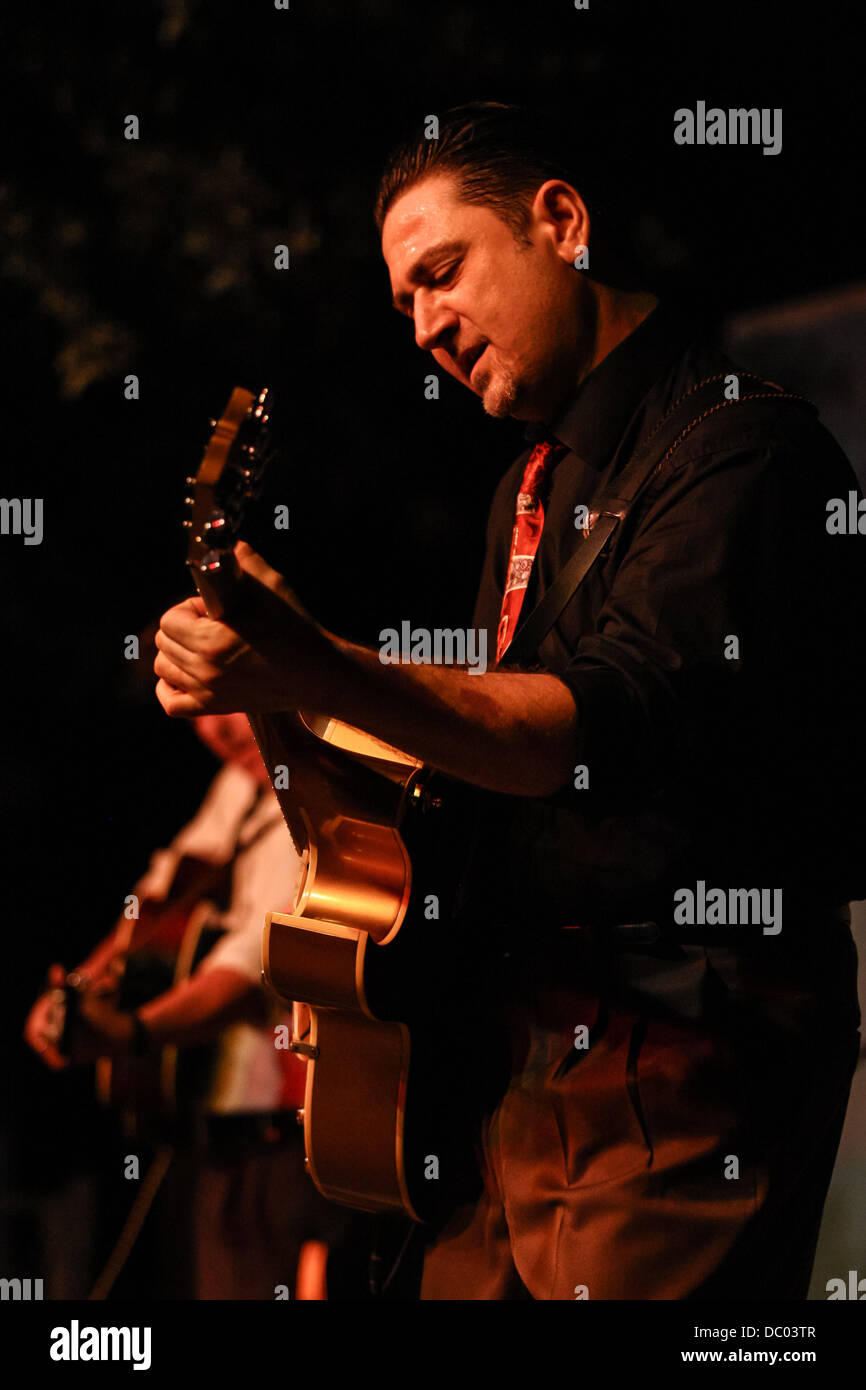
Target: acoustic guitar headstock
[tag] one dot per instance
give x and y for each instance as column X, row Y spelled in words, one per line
column 229, row 476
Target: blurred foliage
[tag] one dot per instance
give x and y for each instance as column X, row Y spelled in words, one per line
column 260, row 127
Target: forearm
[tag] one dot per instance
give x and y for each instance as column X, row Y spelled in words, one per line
column 96, row 961
column 507, row 732
column 504, row 731
column 125, row 936
column 190, row 880
column 199, row 1009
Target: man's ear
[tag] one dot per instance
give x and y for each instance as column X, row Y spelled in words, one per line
column 559, row 208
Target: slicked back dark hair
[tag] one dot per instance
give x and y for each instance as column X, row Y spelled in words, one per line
column 499, row 156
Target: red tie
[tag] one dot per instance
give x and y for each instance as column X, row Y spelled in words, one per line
column 528, row 524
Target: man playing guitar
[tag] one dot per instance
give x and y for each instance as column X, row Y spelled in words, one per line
column 253, row 1209
column 676, row 1096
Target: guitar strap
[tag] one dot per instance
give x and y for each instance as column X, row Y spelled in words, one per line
column 608, row 510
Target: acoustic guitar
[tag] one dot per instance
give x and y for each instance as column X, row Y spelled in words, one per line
column 158, row 1095
column 393, row 991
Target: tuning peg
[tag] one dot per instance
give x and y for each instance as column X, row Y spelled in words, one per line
column 188, row 501
column 187, row 526
column 211, row 562
column 212, row 424
column 190, row 481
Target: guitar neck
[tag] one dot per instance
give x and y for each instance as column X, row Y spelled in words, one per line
column 318, row 754
column 218, row 584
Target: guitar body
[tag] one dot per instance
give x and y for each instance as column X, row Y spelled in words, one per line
column 393, row 993
column 404, row 1044
column 388, row 1123
column 161, row 1094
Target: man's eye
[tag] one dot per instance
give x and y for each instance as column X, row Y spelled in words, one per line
column 445, row 274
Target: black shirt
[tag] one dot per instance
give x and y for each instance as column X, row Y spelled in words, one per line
column 739, row 772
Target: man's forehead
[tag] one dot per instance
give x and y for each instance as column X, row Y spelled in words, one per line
column 425, row 213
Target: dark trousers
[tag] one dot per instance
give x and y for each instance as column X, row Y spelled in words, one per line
column 253, row 1208
column 672, row 1159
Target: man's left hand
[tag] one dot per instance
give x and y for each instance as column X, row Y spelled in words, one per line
column 273, row 657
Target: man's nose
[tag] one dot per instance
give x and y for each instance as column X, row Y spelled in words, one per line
column 432, row 319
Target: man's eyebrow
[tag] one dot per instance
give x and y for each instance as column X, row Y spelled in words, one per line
column 416, row 272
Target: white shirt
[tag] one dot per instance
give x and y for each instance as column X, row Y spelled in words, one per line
column 240, row 823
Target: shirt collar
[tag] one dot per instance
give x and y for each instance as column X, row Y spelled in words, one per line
column 595, row 417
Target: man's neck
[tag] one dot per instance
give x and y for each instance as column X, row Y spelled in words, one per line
column 618, row 313
column 605, row 318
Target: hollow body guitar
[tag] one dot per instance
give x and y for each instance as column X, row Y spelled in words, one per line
column 161, row 1096
column 393, row 990
column 158, row 1096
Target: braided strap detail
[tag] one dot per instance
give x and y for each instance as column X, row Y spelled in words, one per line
column 720, row 405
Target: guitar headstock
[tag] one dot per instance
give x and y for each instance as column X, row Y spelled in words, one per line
column 229, row 476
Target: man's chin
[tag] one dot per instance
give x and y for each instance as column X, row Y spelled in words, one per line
column 498, row 395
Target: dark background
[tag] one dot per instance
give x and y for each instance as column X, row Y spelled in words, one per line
column 155, row 256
